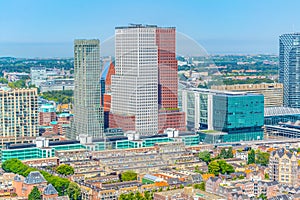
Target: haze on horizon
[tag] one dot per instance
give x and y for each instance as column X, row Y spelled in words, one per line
column 47, row 28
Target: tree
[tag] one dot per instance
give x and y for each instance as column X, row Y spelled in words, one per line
column 267, row 177
column 200, row 186
column 129, row 176
column 251, row 157
column 229, row 153
column 65, row 169
column 262, row 196
column 262, row 158
column 73, row 191
column 35, row 194
column 205, row 156
column 223, row 153
column 214, row 167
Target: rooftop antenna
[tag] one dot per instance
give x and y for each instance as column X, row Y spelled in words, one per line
column 293, row 28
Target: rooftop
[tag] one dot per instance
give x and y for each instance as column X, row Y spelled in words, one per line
column 279, row 111
column 34, row 178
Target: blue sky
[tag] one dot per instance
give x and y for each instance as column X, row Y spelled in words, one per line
column 47, row 28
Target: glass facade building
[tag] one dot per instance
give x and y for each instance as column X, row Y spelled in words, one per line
column 289, row 68
column 88, row 113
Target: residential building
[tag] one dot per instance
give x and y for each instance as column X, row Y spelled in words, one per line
column 47, row 114
column 283, row 167
column 88, row 113
column 289, row 68
column 18, row 114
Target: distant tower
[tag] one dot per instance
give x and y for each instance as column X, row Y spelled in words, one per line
column 88, row 113
column 289, row 68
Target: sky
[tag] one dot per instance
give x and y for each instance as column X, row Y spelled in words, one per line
column 47, row 28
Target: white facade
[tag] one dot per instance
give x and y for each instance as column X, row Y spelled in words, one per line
column 134, row 86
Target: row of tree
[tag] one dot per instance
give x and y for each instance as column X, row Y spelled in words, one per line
column 62, row 185
column 137, row 196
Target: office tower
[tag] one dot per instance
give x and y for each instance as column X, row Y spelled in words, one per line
column 134, row 103
column 169, row 115
column 289, row 68
column 88, row 113
column 224, row 116
column 38, row 75
column 18, row 115
column 273, row 92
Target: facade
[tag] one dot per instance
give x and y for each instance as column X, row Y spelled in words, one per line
column 134, row 85
column 273, row 92
column 88, row 113
column 283, row 167
column 224, row 116
column 289, row 68
column 18, row 114
column 57, row 85
column 38, row 75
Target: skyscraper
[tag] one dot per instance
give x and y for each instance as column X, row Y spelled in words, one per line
column 134, row 103
column 289, row 68
column 169, row 115
column 88, row 113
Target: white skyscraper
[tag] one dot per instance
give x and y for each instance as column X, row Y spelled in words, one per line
column 134, row 85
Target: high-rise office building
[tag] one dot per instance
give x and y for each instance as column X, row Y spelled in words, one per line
column 169, row 115
column 88, row 113
column 289, row 68
column 18, row 115
column 134, row 88
column 144, row 89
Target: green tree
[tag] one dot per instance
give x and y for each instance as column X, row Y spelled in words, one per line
column 200, row 186
column 251, row 156
column 205, row 156
column 214, row 167
column 267, row 176
column 229, row 153
column 262, row 158
column 223, row 153
column 262, row 196
column 129, row 176
column 35, row 194
column 73, row 191
column 65, row 169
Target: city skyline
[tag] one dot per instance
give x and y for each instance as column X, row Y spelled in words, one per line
column 35, row 29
